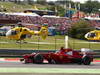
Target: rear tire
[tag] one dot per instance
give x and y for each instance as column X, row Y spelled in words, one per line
column 38, row 58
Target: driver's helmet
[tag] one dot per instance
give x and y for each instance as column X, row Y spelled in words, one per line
column 62, row 49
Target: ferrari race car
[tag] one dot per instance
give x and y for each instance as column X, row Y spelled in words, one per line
column 62, row 56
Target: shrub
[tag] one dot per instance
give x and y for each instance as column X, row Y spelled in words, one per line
column 79, row 29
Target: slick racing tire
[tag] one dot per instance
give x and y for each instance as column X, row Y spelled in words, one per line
column 38, row 58
column 86, row 60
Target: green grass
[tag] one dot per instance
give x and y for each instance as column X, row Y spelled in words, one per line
column 78, row 44
column 13, row 7
column 66, row 71
column 52, row 43
column 97, row 58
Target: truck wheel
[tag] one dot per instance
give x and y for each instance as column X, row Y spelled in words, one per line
column 38, row 58
column 86, row 60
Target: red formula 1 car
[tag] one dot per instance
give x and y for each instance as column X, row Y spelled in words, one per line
column 62, row 56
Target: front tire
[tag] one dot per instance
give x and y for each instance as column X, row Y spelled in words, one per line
column 86, row 60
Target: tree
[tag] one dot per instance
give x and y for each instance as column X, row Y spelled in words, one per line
column 90, row 6
column 58, row 9
column 65, row 7
column 42, row 1
column 15, row 1
column 79, row 29
column 30, row 2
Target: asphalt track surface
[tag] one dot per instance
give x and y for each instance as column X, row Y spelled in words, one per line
column 47, row 69
column 22, row 65
column 17, row 64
